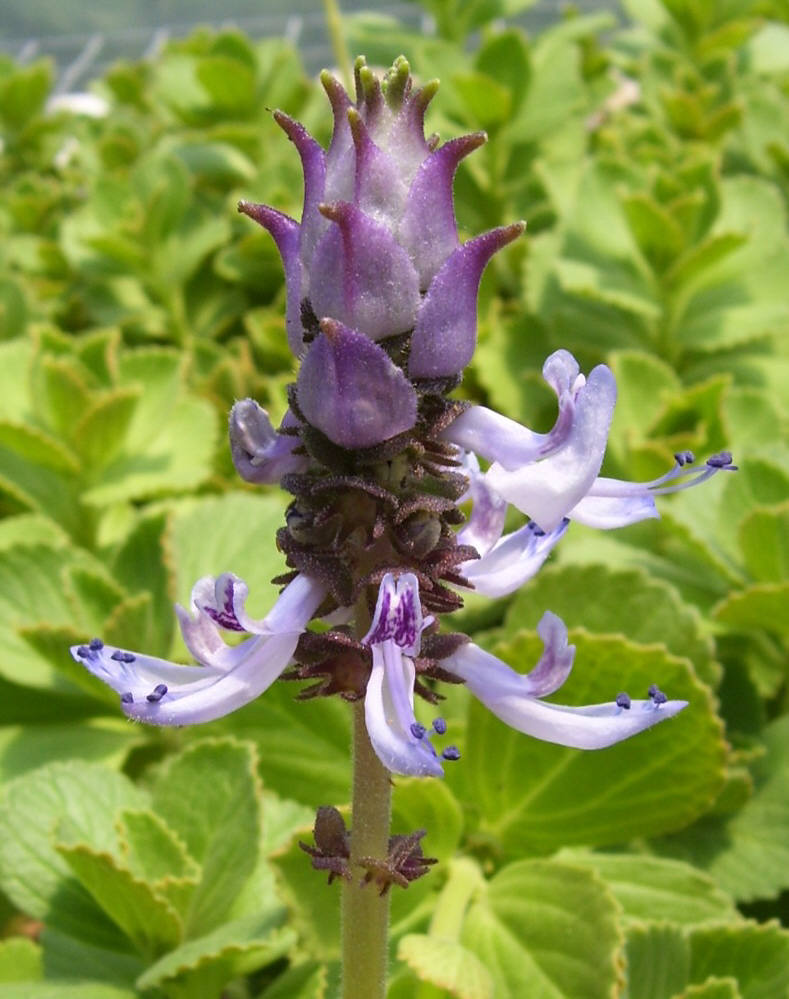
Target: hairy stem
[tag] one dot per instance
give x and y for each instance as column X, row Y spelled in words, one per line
column 365, row 913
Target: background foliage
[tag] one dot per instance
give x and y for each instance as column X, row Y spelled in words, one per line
column 651, row 160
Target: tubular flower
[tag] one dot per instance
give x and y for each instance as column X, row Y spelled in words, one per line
column 554, row 476
column 228, row 677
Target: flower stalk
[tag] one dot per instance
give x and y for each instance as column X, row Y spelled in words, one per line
column 365, row 911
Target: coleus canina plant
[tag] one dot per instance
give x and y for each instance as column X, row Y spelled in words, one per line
column 379, row 459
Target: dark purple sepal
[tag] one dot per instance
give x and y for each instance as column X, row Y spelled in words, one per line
column 445, row 334
column 351, row 391
column 360, row 276
column 285, row 232
column 313, row 164
column 428, row 230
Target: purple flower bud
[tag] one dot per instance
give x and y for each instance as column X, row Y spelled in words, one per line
column 446, row 329
column 351, row 391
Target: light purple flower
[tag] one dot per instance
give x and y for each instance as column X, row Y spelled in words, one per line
column 554, row 476
column 260, row 453
column 229, row 676
column 401, row 743
column 516, row 698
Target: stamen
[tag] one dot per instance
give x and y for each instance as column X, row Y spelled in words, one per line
column 128, row 657
column 623, row 701
column 157, row 693
column 722, row 460
column 656, row 695
column 127, row 698
column 418, row 731
column 439, row 726
column 84, row 652
column 684, row 458
column 451, row 753
column 117, row 655
column 96, row 645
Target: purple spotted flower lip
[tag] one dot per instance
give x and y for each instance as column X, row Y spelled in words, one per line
column 402, row 744
column 164, row 693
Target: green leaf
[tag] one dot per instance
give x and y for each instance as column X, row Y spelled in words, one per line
column 748, row 856
column 764, row 540
column 72, row 989
column 760, row 606
column 545, row 796
column 713, row 988
column 23, row 93
column 658, row 959
column 20, row 960
column 230, row 85
column 26, row 747
column 149, row 921
column 657, row 889
column 101, row 432
column 32, row 873
column 548, row 924
column 756, row 956
column 486, row 102
column 657, row 234
column 624, row 602
column 38, row 447
column 201, row 967
column 303, row 981
column 447, row 964
column 209, row 796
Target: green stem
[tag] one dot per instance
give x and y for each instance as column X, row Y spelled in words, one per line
column 337, row 38
column 365, row 913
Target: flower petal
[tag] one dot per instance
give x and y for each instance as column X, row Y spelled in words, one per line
column 445, row 334
column 389, row 715
column 360, row 276
column 260, row 454
column 514, row 698
column 428, row 230
column 608, row 512
column 547, row 490
column 488, row 510
column 285, row 232
column 163, row 693
column 349, row 389
column 512, row 560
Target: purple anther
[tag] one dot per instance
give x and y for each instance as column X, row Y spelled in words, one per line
column 684, row 458
column 623, row 701
column 84, row 652
column 656, row 695
column 127, row 657
column 439, row 726
column 117, row 655
column 451, row 753
column 96, row 645
column 722, row 460
column 418, row 731
column 157, row 693
column 127, row 698
column 536, row 530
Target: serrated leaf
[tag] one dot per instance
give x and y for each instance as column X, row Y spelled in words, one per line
column 68, row 989
column 30, row 529
column 447, row 964
column 26, row 747
column 657, row 234
column 38, row 447
column 100, row 434
column 200, row 968
column 757, row 956
column 657, row 889
column 550, row 925
column 20, row 960
column 32, row 873
column 624, row 602
column 712, row 988
column 748, row 856
column 65, row 394
column 304, row 981
column 210, row 797
column 147, row 919
column 760, row 606
column 764, row 541
column 658, row 959
column 545, row 796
